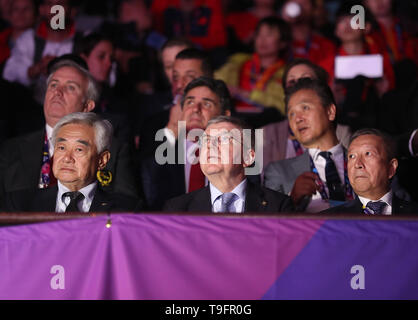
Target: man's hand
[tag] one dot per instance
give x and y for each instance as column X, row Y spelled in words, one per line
column 305, row 185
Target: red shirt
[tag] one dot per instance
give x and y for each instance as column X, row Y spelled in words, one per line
column 243, row 23
column 4, row 44
column 317, row 49
column 205, row 26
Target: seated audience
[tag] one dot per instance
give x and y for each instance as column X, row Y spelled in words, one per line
column 317, row 178
column 279, row 140
column 371, row 166
column 224, row 155
column 25, row 161
column 255, row 80
column 81, row 142
column 164, row 178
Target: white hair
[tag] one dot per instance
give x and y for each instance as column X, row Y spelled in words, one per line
column 92, row 92
column 103, row 130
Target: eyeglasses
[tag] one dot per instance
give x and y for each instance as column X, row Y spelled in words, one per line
column 222, row 139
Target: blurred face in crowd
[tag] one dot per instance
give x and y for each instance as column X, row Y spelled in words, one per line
column 135, row 11
column 65, row 94
column 345, row 33
column 222, row 151
column 200, row 105
column 380, row 8
column 22, row 14
column 184, row 71
column 297, row 72
column 369, row 168
column 267, row 41
column 309, row 120
column 100, row 60
column 168, row 56
column 76, row 159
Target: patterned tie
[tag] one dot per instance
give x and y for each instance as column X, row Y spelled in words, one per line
column 227, row 201
column 75, row 198
column 197, row 178
column 47, row 177
column 374, row 207
column 335, row 188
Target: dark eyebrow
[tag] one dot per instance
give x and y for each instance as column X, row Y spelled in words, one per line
column 210, row 100
column 84, row 142
column 61, row 139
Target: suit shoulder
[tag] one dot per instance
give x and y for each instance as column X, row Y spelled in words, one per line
column 179, row 203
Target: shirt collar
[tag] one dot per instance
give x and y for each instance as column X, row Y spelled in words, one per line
column 387, row 198
column 335, row 151
column 49, row 130
column 88, row 191
column 239, row 190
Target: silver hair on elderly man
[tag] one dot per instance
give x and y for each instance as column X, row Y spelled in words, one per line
column 102, row 128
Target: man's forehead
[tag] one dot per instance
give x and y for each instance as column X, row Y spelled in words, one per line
column 68, row 72
column 367, row 141
column 188, row 65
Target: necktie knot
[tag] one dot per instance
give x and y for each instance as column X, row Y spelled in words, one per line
column 75, row 198
column 326, row 155
column 227, row 200
column 374, row 207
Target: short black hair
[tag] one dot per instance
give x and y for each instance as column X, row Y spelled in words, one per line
column 319, row 72
column 216, row 86
column 284, row 30
column 193, row 53
column 388, row 141
column 85, row 45
column 321, row 88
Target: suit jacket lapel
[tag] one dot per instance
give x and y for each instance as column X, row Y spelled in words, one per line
column 46, row 199
column 100, row 202
column 254, row 199
column 202, row 201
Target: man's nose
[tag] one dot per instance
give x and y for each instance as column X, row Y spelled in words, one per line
column 358, row 164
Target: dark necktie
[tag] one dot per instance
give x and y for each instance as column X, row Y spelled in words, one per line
column 75, row 198
column 374, row 207
column 227, row 200
column 47, row 176
column 335, row 188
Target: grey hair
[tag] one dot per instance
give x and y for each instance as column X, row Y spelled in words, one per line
column 92, row 92
column 103, row 130
column 389, row 143
column 238, row 123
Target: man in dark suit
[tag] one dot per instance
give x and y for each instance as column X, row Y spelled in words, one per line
column 164, row 173
column 25, row 161
column 371, row 166
column 224, row 155
column 81, row 143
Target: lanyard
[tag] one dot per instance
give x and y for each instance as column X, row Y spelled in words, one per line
column 258, row 78
column 347, row 186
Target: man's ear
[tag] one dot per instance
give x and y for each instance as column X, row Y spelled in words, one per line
column 393, row 165
column 103, row 159
column 89, row 106
column 249, row 158
column 332, row 112
column 228, row 113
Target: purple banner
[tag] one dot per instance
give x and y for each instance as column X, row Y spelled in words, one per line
column 209, row 257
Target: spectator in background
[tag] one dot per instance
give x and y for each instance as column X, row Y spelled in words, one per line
column 389, row 32
column 244, row 32
column 22, row 17
column 255, row 80
column 279, row 140
column 36, row 48
column 201, row 21
column 307, row 43
column 358, row 97
column 98, row 52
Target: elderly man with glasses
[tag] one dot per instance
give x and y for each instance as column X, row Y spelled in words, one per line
column 224, row 155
